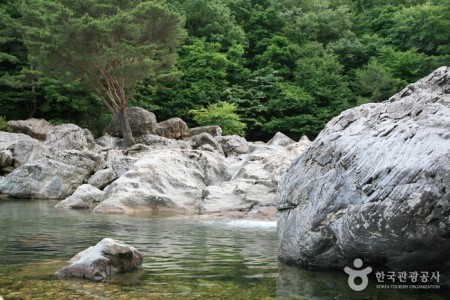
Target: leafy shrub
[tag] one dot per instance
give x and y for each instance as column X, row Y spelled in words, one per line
column 3, row 125
column 222, row 114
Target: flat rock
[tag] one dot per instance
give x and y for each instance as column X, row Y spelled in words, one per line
column 70, row 137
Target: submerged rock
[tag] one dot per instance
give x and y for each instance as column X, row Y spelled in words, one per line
column 374, row 185
column 108, row 258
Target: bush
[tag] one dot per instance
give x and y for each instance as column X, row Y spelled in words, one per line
column 222, row 114
column 3, row 125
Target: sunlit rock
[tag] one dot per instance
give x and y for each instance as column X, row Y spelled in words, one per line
column 108, row 258
column 374, row 185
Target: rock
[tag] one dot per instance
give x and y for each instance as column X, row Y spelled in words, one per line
column 51, row 178
column 252, row 184
column 69, row 137
column 8, row 140
column 36, row 128
column 102, row 178
column 174, row 128
column 107, row 258
column 85, row 196
column 6, row 158
column 205, row 139
column 165, row 180
column 300, row 146
column 121, row 164
column 206, row 147
column 374, row 185
column 280, row 139
column 108, row 142
column 159, row 142
column 25, row 151
column 213, row 130
column 233, row 145
column 141, row 122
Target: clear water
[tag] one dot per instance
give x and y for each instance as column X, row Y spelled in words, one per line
column 183, row 258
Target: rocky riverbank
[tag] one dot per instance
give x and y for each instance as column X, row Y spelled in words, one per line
column 172, row 168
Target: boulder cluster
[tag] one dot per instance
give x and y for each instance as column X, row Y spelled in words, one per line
column 171, row 168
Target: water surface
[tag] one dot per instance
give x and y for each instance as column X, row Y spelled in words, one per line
column 183, row 258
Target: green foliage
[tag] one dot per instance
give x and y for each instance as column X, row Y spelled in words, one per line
column 286, row 65
column 375, row 82
column 3, row 125
column 222, row 114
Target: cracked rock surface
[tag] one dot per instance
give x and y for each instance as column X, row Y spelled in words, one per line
column 375, row 185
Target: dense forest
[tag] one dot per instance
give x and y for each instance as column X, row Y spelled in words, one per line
column 280, row 65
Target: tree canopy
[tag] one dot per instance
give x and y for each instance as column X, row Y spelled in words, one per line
column 284, row 65
column 109, row 45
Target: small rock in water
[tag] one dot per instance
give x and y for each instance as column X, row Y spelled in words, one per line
column 99, row 262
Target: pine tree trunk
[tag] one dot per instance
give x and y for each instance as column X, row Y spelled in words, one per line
column 126, row 130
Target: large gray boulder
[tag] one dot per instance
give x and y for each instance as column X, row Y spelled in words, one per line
column 85, row 196
column 25, row 151
column 174, row 128
column 51, row 178
column 160, row 142
column 280, row 139
column 374, row 185
column 36, row 128
column 8, row 139
column 164, row 180
column 141, row 122
column 70, row 137
column 213, row 130
column 233, row 145
column 252, row 182
column 104, row 260
column 102, row 178
column 203, row 139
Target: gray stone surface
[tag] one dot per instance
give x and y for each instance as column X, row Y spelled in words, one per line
column 6, row 158
column 70, row 137
column 233, row 145
column 159, row 142
column 252, row 182
column 8, row 139
column 280, row 139
column 108, row 258
column 213, row 130
column 375, row 185
column 108, row 142
column 173, row 128
column 141, row 122
column 164, row 180
column 102, row 178
column 204, row 138
column 51, row 178
column 85, row 196
column 25, row 151
column 36, row 128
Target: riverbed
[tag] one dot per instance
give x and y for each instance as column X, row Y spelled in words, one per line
column 184, row 258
